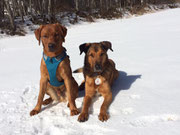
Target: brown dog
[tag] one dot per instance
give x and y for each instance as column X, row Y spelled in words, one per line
column 52, row 37
column 99, row 73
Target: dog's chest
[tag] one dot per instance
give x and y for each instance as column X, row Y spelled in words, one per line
column 95, row 82
column 52, row 66
column 98, row 82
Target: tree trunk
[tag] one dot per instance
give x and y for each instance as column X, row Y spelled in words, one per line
column 20, row 9
column 120, row 5
column 30, row 6
column 10, row 15
column 101, row 6
column 13, row 7
column 23, row 6
column 1, row 10
column 51, row 11
column 76, row 5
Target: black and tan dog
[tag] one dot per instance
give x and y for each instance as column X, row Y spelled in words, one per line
column 56, row 75
column 99, row 73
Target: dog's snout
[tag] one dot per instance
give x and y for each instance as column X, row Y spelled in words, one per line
column 98, row 67
column 51, row 45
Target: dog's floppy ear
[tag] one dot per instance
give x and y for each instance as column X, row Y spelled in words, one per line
column 84, row 48
column 37, row 33
column 107, row 45
column 63, row 30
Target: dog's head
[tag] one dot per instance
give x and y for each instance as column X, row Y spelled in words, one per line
column 95, row 55
column 52, row 36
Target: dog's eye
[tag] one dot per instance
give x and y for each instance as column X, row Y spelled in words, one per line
column 56, row 35
column 102, row 54
column 91, row 55
column 45, row 36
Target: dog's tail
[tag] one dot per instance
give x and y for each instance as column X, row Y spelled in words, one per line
column 79, row 70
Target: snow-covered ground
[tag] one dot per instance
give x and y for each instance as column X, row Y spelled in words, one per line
column 146, row 95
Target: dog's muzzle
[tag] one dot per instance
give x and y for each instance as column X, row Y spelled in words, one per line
column 97, row 68
column 51, row 47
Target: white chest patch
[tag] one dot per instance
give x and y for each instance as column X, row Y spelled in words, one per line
column 98, row 81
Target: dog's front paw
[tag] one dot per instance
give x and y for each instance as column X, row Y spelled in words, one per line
column 83, row 117
column 103, row 117
column 74, row 112
column 34, row 112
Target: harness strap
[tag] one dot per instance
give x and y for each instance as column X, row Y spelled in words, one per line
column 52, row 64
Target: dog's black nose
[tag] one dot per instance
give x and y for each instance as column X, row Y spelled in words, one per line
column 51, row 45
column 98, row 67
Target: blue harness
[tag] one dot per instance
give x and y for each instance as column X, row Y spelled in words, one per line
column 52, row 65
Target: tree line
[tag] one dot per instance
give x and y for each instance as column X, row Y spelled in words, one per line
column 46, row 11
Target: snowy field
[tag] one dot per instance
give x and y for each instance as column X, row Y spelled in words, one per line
column 146, row 95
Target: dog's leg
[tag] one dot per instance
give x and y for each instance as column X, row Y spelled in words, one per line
column 52, row 93
column 73, row 96
column 107, row 94
column 72, row 93
column 90, row 92
column 43, row 86
column 47, row 101
column 71, row 87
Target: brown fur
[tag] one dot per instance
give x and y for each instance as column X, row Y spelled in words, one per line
column 55, row 33
column 96, row 54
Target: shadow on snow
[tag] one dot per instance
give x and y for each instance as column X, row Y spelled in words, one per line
column 123, row 82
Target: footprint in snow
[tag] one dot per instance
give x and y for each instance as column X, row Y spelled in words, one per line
column 127, row 111
column 153, row 119
column 26, row 90
column 135, row 96
column 2, row 49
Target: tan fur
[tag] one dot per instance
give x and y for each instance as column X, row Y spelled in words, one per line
column 97, row 53
column 55, row 33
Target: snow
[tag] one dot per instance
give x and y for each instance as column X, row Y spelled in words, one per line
column 146, row 95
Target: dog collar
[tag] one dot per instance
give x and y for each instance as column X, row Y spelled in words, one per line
column 52, row 64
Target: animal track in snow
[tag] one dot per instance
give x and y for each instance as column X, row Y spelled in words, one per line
column 135, row 96
column 153, row 119
column 27, row 89
column 2, row 49
column 127, row 111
